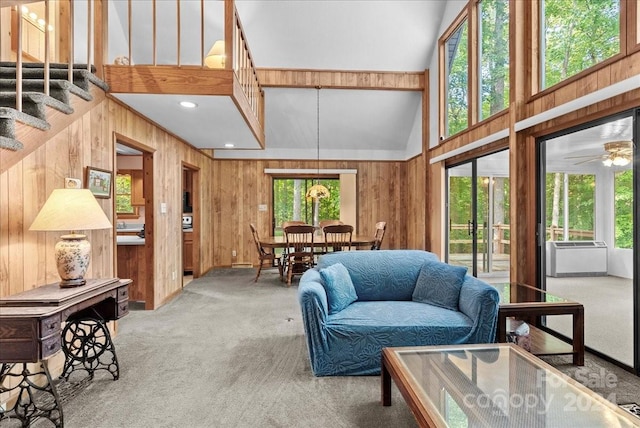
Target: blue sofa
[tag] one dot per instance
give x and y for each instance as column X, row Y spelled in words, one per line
column 349, row 342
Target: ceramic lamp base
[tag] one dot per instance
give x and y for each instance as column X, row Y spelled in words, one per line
column 73, row 254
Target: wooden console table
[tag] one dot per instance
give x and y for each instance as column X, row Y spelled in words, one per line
column 31, row 327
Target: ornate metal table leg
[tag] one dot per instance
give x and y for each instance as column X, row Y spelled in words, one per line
column 34, row 401
column 87, row 345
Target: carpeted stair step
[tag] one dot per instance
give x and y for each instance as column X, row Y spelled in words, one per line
column 58, row 89
column 34, row 103
column 8, row 118
column 81, row 78
column 55, row 65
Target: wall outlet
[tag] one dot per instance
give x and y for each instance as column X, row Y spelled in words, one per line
column 163, row 207
column 174, row 275
column 233, row 253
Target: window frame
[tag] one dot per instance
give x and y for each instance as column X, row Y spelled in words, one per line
column 127, row 215
column 478, row 54
column 627, row 46
column 443, row 76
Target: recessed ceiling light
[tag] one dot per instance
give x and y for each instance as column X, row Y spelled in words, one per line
column 229, row 145
column 188, row 104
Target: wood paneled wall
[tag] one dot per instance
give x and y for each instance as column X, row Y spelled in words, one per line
column 241, row 185
column 26, row 258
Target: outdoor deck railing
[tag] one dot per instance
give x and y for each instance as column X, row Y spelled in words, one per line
column 501, row 233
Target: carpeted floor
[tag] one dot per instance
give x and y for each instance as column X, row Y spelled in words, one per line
column 228, row 352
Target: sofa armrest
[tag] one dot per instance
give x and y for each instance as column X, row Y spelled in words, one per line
column 480, row 301
column 315, row 310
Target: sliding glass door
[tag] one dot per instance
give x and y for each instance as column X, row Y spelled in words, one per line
column 478, row 216
column 588, row 209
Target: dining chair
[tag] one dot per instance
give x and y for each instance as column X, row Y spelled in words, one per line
column 288, row 223
column 337, row 237
column 324, row 223
column 381, row 227
column 264, row 255
column 299, row 255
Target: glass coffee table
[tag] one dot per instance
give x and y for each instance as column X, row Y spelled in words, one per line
column 529, row 305
column 493, row 385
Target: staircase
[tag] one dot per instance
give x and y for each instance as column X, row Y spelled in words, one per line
column 36, row 105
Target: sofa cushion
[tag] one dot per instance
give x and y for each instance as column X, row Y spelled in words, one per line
column 380, row 274
column 339, row 288
column 439, row 284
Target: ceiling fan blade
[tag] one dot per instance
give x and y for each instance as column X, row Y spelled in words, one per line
column 584, row 156
column 597, row 158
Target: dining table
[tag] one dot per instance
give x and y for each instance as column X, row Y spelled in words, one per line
column 318, row 241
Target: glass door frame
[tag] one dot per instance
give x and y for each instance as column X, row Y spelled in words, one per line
column 475, row 222
column 472, row 224
column 541, row 267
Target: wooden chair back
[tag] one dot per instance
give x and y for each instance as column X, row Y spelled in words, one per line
column 299, row 255
column 381, row 227
column 337, row 237
column 256, row 239
column 286, row 224
column 324, row 223
column 263, row 255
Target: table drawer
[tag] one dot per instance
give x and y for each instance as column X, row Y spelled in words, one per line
column 123, row 309
column 49, row 326
column 50, row 346
column 123, row 293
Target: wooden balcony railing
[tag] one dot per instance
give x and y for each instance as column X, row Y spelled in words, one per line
column 232, row 74
column 145, row 57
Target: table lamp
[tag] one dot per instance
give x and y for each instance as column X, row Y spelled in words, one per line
column 71, row 210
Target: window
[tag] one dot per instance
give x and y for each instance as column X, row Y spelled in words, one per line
column 493, row 30
column 457, row 72
column 623, row 208
column 123, row 195
column 570, row 201
column 289, row 202
column 576, row 35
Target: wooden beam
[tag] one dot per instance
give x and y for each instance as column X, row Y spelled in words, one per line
column 146, row 79
column 341, row 79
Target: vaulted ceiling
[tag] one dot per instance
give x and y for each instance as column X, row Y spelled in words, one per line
column 305, row 34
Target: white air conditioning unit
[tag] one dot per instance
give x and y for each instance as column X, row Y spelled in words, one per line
column 576, row 258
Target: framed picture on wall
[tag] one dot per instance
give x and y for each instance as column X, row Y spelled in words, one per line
column 99, row 182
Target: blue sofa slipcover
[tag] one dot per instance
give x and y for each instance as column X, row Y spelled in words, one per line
column 350, row 341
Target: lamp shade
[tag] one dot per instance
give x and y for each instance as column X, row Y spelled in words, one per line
column 216, row 56
column 71, row 209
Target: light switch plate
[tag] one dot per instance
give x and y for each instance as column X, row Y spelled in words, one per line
column 163, row 207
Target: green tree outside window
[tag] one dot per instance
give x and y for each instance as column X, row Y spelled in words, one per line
column 576, row 35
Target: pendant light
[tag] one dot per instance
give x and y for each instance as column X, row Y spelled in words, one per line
column 317, row 191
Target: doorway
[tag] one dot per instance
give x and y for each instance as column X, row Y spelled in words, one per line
column 588, row 211
column 134, row 231
column 478, row 216
column 190, row 223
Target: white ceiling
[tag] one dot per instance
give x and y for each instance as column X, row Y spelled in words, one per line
column 306, row 34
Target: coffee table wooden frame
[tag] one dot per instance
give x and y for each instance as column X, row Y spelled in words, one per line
column 425, row 412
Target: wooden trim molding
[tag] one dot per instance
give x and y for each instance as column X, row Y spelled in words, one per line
column 341, row 79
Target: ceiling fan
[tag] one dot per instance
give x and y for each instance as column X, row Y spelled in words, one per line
column 618, row 153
